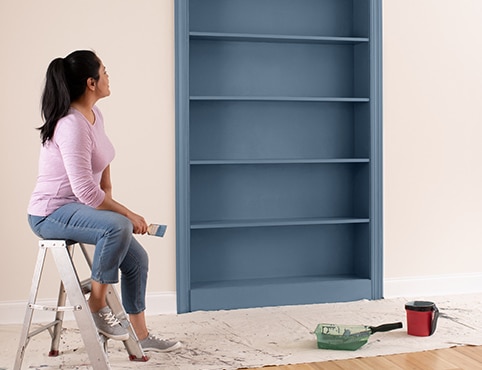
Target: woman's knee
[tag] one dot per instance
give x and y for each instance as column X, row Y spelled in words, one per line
column 136, row 260
column 140, row 255
column 119, row 225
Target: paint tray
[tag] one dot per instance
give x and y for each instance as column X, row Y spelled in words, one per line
column 341, row 337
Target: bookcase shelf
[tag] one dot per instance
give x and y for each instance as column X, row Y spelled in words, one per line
column 220, row 224
column 281, row 99
column 276, row 161
column 278, row 119
column 246, row 37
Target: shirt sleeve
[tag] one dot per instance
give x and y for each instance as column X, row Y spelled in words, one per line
column 76, row 146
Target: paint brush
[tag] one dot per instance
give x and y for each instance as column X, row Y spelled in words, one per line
column 156, row 230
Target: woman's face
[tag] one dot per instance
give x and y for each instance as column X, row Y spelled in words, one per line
column 102, row 85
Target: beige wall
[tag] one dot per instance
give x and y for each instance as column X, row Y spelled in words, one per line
column 136, row 43
column 432, row 134
column 432, row 128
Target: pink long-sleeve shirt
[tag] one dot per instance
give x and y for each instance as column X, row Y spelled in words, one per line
column 71, row 164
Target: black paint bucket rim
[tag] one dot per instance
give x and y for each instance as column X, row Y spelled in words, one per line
column 422, row 306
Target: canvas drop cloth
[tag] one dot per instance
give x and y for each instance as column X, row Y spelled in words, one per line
column 262, row 336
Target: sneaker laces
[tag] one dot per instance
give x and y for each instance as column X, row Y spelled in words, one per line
column 154, row 337
column 110, row 319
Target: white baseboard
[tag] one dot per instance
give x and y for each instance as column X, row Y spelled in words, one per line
column 161, row 303
column 13, row 312
column 432, row 285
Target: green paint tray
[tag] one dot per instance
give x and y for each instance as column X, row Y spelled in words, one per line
column 348, row 337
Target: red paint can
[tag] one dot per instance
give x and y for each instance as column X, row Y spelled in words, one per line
column 421, row 318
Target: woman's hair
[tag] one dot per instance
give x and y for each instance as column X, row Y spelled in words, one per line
column 65, row 82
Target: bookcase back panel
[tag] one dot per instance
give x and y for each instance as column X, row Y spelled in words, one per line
column 281, row 252
column 270, row 69
column 298, row 17
column 237, row 192
column 271, row 130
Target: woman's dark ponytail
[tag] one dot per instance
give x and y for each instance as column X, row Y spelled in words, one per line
column 55, row 98
column 65, row 82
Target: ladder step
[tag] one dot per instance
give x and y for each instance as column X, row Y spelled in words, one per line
column 54, row 308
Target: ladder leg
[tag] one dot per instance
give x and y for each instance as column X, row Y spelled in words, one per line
column 85, row 322
column 59, row 319
column 132, row 345
column 59, row 316
column 24, row 336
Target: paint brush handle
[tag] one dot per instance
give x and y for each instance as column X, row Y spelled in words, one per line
column 156, row 230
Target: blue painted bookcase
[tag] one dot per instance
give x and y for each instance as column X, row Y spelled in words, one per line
column 279, row 155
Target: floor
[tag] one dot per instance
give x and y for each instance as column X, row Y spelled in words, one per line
column 455, row 358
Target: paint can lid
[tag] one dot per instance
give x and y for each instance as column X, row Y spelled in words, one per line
column 420, row 306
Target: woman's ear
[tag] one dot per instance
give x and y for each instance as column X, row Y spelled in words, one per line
column 91, row 83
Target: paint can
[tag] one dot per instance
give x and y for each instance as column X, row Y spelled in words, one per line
column 421, row 318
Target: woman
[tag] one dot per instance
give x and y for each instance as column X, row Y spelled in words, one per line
column 73, row 195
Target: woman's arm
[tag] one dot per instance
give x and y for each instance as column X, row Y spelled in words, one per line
column 138, row 222
column 105, row 183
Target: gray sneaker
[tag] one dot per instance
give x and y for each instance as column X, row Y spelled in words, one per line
column 109, row 325
column 155, row 344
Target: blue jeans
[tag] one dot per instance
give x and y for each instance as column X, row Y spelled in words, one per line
column 115, row 247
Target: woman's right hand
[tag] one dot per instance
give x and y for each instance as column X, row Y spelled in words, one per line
column 138, row 222
column 139, row 225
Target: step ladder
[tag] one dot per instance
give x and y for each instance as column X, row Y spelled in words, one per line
column 75, row 290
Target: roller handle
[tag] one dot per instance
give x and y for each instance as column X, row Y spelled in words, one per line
column 386, row 327
column 436, row 314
